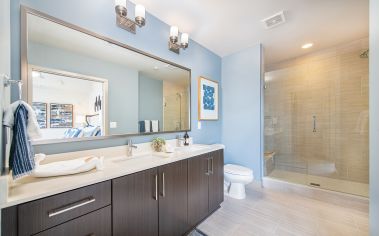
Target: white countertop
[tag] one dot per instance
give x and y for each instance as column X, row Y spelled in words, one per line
column 116, row 164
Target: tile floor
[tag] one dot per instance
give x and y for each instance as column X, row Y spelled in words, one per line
column 269, row 212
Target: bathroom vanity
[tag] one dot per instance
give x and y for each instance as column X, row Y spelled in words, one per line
column 127, row 93
column 146, row 194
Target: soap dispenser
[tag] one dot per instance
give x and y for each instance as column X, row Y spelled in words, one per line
column 186, row 139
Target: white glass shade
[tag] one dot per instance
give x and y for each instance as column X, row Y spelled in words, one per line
column 174, row 31
column 184, row 38
column 140, row 11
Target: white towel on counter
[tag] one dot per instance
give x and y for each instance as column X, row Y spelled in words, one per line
column 32, row 127
column 69, row 167
column 155, row 125
column 147, row 126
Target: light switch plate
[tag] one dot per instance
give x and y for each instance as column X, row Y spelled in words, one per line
column 113, row 125
column 199, row 125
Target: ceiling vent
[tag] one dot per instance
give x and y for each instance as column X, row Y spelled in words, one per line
column 274, row 20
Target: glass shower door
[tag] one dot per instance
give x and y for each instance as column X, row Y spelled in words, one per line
column 316, row 120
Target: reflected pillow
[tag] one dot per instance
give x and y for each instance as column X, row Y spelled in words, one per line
column 72, row 133
column 90, row 131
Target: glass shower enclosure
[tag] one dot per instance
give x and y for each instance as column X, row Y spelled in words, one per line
column 316, row 119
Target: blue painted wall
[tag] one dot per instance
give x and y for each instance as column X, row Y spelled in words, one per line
column 374, row 117
column 98, row 16
column 241, row 125
column 150, row 106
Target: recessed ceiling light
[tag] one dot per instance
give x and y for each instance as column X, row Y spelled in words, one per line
column 156, row 67
column 307, row 45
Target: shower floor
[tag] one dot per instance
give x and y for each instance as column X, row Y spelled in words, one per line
column 344, row 186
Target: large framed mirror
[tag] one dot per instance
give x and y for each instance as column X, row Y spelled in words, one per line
column 85, row 86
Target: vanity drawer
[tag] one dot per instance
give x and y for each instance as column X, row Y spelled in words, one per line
column 97, row 223
column 39, row 215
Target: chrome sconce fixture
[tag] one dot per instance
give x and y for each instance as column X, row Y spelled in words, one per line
column 124, row 22
column 173, row 43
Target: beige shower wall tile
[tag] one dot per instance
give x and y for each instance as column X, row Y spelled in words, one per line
column 333, row 86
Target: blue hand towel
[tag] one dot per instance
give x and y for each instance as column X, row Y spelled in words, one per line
column 21, row 159
column 142, row 126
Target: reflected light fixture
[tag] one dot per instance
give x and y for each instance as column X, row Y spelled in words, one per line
column 36, row 74
column 173, row 43
column 124, row 22
column 307, row 45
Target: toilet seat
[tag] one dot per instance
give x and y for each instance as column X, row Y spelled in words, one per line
column 237, row 170
column 235, row 179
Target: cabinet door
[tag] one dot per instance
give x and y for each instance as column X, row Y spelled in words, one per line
column 216, row 180
column 9, row 222
column 135, row 204
column 197, row 189
column 173, row 199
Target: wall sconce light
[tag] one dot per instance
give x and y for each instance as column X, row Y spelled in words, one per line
column 124, row 22
column 173, row 43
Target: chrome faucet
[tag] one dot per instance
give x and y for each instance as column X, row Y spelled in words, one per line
column 129, row 148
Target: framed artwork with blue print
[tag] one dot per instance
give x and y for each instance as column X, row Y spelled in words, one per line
column 41, row 112
column 207, row 99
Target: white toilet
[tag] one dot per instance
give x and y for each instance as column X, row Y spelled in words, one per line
column 235, row 179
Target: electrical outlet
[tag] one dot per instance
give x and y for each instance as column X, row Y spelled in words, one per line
column 113, row 125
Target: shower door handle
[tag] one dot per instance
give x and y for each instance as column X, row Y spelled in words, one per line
column 314, row 124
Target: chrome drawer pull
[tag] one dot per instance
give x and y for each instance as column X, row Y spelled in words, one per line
column 71, row 206
column 163, row 186
column 211, row 172
column 156, row 188
column 208, row 172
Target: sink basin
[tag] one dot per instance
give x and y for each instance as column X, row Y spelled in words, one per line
column 180, row 150
column 192, row 148
column 134, row 157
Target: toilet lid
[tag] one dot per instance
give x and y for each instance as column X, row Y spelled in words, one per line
column 237, row 170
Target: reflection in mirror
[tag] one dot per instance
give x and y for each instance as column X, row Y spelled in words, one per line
column 72, row 112
column 82, row 86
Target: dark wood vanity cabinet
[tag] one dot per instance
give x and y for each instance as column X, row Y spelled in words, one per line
column 83, row 211
column 205, row 185
column 151, row 202
column 168, row 200
column 216, row 180
column 39, row 215
column 173, row 199
column 135, row 204
column 198, row 184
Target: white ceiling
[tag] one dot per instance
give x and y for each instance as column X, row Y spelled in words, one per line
column 63, row 83
column 229, row 26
